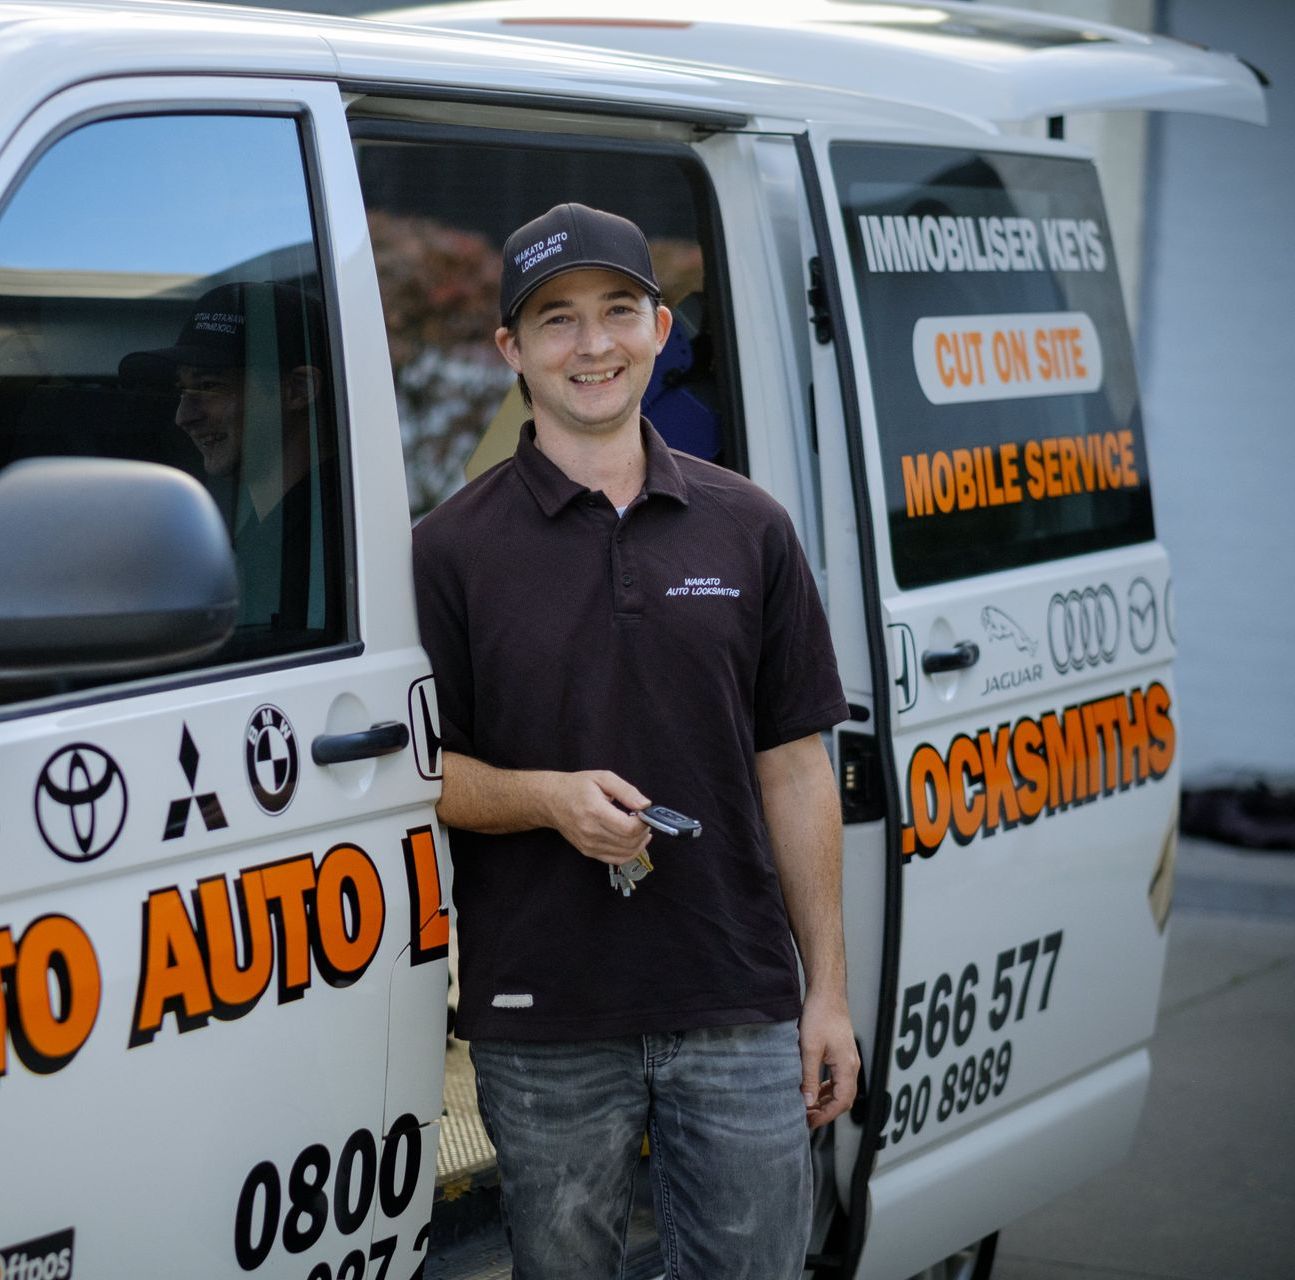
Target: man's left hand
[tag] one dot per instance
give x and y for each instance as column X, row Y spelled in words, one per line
column 827, row 1040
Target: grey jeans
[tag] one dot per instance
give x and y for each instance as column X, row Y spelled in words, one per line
column 730, row 1164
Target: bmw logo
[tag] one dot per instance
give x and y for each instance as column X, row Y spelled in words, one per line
column 270, row 754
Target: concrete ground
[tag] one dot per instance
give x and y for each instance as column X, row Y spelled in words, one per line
column 1208, row 1191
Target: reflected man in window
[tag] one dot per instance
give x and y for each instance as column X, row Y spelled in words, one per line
column 248, row 365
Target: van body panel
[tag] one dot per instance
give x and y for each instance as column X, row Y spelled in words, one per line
column 940, row 1200
column 194, row 907
column 1001, row 784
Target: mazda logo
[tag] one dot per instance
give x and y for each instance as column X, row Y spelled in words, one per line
column 1083, row 628
column 80, row 802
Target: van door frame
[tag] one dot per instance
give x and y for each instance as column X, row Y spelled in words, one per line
column 831, row 303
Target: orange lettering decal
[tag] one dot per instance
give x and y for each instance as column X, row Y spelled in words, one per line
column 917, row 484
column 979, row 476
column 429, row 916
column 236, row 987
column 1032, row 764
column 8, row 958
column 173, row 974
column 288, row 886
column 1161, row 729
column 348, row 884
column 1015, row 774
column 52, row 992
column 964, row 779
column 1001, row 805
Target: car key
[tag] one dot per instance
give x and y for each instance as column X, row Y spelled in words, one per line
column 669, row 822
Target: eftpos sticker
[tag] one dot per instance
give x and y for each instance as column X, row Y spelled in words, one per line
column 43, row 1258
column 270, row 754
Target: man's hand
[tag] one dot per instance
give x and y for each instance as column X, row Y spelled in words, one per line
column 827, row 1040
column 588, row 809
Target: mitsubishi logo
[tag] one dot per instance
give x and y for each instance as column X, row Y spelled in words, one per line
column 177, row 816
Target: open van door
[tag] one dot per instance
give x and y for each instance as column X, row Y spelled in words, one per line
column 992, row 436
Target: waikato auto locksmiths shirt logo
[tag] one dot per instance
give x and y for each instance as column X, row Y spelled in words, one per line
column 704, row 587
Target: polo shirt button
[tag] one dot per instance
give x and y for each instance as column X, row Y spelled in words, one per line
column 627, row 581
column 591, row 501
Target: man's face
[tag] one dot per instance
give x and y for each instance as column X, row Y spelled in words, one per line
column 211, row 414
column 585, row 342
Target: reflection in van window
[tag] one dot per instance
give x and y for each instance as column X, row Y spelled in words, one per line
column 439, row 213
column 159, row 300
column 1002, row 370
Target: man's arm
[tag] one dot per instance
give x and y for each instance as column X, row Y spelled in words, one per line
column 803, row 814
column 587, row 808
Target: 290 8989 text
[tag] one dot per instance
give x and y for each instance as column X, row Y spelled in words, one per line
column 945, row 1014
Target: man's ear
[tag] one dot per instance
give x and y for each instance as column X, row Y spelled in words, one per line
column 506, row 341
column 664, row 323
column 303, row 386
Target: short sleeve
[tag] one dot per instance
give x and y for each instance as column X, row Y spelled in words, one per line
column 798, row 689
column 439, row 593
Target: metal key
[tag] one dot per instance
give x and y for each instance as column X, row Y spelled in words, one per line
column 626, row 877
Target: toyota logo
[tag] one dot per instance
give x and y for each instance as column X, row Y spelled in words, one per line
column 80, row 802
column 1083, row 628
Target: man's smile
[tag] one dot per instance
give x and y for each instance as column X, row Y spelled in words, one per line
column 595, row 379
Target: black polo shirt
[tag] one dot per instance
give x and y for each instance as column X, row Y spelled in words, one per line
column 669, row 646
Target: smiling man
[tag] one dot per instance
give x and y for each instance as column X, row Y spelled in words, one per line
column 611, row 624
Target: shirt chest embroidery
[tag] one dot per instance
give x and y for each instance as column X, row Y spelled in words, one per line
column 704, row 587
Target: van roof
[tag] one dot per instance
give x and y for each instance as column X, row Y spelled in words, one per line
column 970, row 59
column 49, row 45
column 896, row 81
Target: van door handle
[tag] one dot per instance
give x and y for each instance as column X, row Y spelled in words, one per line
column 964, row 654
column 381, row 740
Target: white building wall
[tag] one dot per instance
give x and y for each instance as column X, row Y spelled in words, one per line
column 1217, row 358
column 1200, row 210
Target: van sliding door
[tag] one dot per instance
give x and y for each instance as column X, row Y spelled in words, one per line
column 1027, row 604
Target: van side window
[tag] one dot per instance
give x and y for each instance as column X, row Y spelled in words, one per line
column 439, row 211
column 160, row 300
column 1001, row 365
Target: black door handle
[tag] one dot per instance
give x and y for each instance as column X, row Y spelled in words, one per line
column 382, row 740
column 964, row 654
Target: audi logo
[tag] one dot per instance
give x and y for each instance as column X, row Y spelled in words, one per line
column 1083, row 628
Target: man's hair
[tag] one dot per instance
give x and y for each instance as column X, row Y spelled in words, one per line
column 517, row 338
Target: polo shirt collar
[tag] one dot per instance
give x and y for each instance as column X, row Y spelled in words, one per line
column 553, row 490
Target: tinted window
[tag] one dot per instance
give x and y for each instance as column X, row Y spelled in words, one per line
column 159, row 300
column 1002, row 370
column 439, row 212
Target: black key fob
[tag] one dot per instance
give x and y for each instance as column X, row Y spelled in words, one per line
column 668, row 822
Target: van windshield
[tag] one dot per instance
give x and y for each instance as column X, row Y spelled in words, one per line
column 1000, row 360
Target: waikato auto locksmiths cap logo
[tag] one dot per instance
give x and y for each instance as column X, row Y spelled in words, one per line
column 270, row 754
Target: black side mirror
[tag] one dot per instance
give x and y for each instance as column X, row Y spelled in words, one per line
column 109, row 567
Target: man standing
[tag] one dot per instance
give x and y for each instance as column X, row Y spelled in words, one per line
column 613, row 624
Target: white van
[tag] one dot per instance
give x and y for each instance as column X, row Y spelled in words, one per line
column 224, row 897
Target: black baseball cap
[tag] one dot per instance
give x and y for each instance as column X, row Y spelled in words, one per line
column 568, row 237
column 216, row 333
